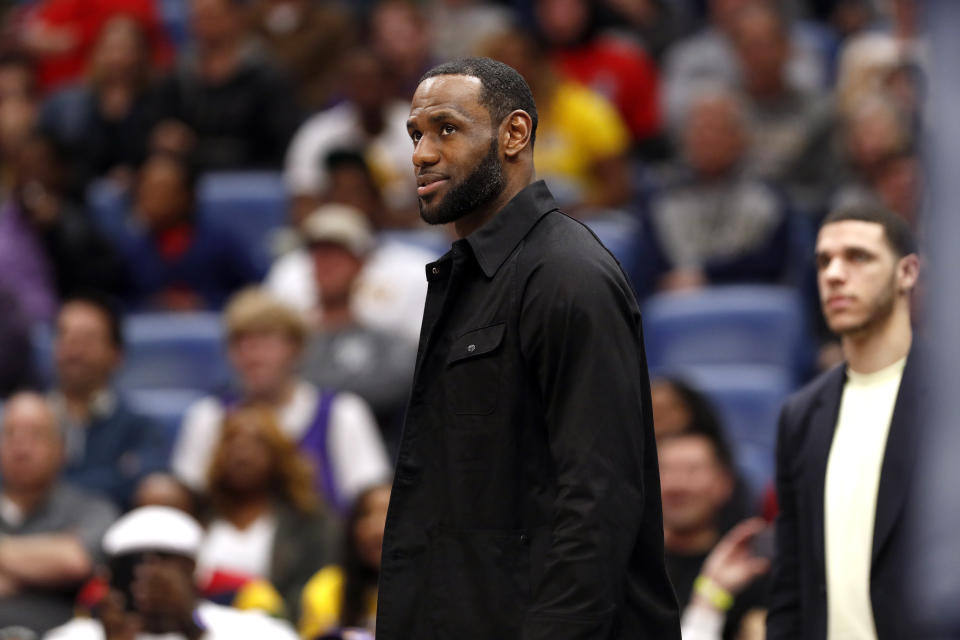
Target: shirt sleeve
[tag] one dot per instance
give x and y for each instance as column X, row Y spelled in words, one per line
column 195, row 442
column 321, row 602
column 580, row 335
column 359, row 457
column 95, row 516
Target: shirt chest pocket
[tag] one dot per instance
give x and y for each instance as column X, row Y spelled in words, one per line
column 473, row 371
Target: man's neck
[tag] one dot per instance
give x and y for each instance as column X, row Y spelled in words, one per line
column 336, row 314
column 79, row 403
column 27, row 499
column 218, row 60
column 690, row 542
column 280, row 395
column 476, row 219
column 878, row 347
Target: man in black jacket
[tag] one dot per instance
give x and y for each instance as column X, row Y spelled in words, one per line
column 526, row 502
column 847, row 445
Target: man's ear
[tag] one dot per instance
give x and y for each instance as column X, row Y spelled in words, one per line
column 908, row 272
column 516, row 133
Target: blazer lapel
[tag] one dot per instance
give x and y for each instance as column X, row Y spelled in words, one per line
column 823, row 424
column 898, row 460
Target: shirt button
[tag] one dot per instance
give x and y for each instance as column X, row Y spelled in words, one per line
column 524, row 539
column 435, row 271
column 471, row 348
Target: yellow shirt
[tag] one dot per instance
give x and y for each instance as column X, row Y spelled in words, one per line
column 322, row 603
column 576, row 128
column 850, row 498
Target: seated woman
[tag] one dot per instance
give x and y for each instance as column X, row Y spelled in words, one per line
column 336, row 430
column 265, row 521
column 345, row 596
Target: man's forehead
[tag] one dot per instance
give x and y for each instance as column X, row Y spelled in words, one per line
column 850, row 233
column 447, row 90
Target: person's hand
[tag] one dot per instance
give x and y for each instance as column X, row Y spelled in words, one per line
column 165, row 597
column 683, row 279
column 172, row 136
column 732, row 565
column 8, row 586
column 118, row 623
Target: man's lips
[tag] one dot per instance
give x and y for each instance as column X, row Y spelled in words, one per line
column 837, row 302
column 428, row 184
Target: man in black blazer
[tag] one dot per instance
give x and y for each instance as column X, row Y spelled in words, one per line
column 847, row 443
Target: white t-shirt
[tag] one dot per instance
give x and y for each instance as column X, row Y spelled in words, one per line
column 390, row 292
column 389, row 155
column 221, row 623
column 356, row 450
column 850, row 498
column 245, row 552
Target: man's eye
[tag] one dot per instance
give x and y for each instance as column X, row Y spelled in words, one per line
column 448, row 129
column 415, row 136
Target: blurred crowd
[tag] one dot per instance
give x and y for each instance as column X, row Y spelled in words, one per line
column 709, row 137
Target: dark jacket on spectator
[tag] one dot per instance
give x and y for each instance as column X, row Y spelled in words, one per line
column 114, row 451
column 211, row 264
column 244, row 122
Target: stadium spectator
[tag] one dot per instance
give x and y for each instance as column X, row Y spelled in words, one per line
column 48, row 248
column 711, row 223
column 19, row 108
column 874, row 133
column 176, row 260
column 399, row 35
column 335, row 430
column 370, row 122
column 104, row 119
column 343, row 352
column 109, row 447
column 265, row 519
column 708, row 57
column 345, row 596
column 62, row 35
column 458, row 28
column 49, row 532
column 17, row 77
column 678, row 408
column 696, row 481
column 16, row 365
column 390, row 288
column 615, row 67
column 582, row 141
column 786, row 124
column 151, row 592
column 161, row 489
column 225, row 101
column 308, row 40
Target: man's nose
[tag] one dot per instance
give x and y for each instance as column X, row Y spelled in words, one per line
column 425, row 153
column 835, row 271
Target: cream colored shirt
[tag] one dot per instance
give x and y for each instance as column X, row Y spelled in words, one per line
column 850, row 499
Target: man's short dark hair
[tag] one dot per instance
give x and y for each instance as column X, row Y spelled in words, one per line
column 898, row 233
column 504, row 89
column 108, row 307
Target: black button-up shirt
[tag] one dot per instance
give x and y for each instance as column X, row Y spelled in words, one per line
column 526, row 502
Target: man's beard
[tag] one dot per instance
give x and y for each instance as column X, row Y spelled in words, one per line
column 880, row 310
column 477, row 190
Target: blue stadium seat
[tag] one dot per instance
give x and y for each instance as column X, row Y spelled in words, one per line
column 166, row 406
column 251, row 203
column 173, row 351
column 620, row 233
column 108, row 205
column 175, row 15
column 762, row 325
column 748, row 399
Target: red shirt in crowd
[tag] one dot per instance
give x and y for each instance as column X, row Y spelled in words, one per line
column 83, row 19
column 623, row 73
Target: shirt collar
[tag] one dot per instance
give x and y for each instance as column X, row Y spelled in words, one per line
column 493, row 243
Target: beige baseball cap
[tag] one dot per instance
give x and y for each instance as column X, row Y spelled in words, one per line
column 340, row 224
column 154, row 528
